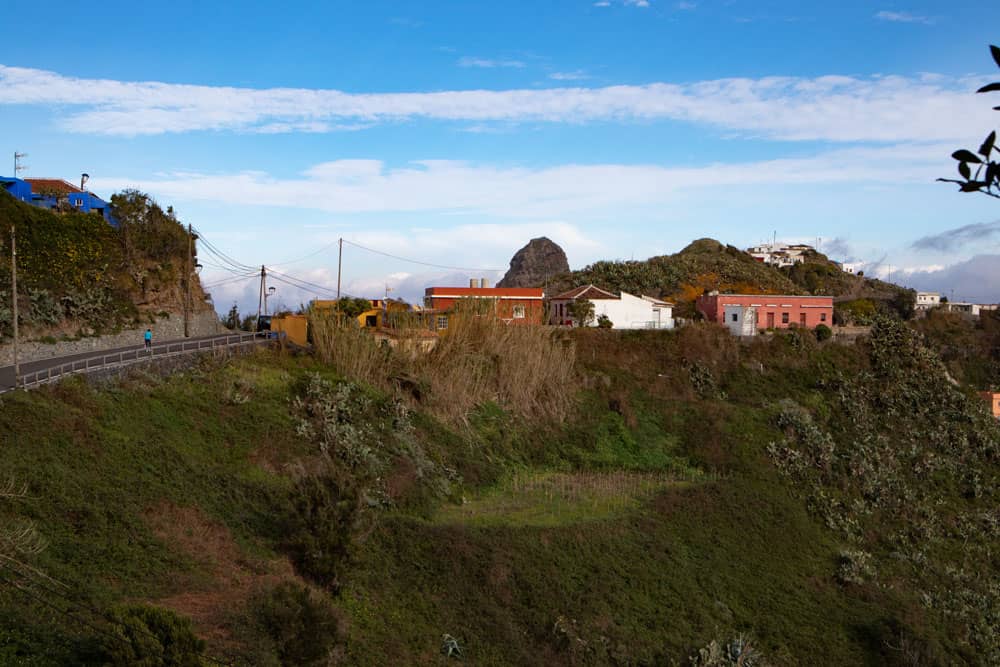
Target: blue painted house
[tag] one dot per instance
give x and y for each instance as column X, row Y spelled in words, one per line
column 50, row 192
column 19, row 189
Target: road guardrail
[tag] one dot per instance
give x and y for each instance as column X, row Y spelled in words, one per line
column 129, row 357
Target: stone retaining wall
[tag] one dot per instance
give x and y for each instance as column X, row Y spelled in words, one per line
column 168, row 328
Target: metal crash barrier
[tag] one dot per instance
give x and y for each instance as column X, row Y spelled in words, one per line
column 130, row 357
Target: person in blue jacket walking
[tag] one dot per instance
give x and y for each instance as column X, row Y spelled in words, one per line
column 148, row 337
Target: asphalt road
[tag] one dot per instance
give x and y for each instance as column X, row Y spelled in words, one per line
column 7, row 372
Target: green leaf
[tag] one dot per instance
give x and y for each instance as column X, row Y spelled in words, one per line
column 990, row 87
column 992, row 172
column 963, row 169
column 987, row 146
column 966, row 156
column 995, row 50
column 971, row 186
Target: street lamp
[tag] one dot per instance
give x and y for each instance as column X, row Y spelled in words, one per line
column 270, row 292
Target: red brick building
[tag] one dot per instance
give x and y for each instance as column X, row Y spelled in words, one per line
column 512, row 305
column 766, row 311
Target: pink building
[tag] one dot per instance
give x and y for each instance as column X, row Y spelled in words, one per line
column 746, row 314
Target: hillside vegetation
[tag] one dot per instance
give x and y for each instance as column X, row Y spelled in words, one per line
column 78, row 274
column 680, row 499
column 706, row 265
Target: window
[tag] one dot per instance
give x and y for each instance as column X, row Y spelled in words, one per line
column 518, row 312
column 736, row 318
column 784, row 318
column 822, row 317
column 442, row 322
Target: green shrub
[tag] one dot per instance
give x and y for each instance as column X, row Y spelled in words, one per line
column 604, row 322
column 823, row 332
column 44, row 308
column 300, row 622
column 319, row 528
column 151, row 637
column 737, row 652
column 855, row 567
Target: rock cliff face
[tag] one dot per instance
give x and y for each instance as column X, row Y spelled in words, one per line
column 534, row 264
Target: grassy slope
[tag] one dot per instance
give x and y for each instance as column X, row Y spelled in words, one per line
column 734, row 549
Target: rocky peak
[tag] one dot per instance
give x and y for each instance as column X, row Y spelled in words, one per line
column 534, row 264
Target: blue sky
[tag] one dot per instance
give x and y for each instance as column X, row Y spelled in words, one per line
column 453, row 132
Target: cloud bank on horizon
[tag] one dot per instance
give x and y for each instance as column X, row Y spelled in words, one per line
column 832, row 108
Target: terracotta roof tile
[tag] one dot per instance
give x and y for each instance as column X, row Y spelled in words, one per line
column 52, row 186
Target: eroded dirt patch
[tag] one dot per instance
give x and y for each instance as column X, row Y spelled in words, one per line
column 223, row 577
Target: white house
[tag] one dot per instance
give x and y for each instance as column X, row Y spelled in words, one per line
column 780, row 254
column 927, row 300
column 625, row 311
column 974, row 309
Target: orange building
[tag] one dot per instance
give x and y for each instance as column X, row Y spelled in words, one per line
column 767, row 311
column 992, row 398
column 511, row 305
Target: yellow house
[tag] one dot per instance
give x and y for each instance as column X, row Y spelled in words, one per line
column 294, row 327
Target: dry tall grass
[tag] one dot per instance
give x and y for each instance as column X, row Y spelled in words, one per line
column 528, row 370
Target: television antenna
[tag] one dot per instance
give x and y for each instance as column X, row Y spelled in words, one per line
column 19, row 166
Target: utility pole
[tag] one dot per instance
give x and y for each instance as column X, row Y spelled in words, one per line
column 260, row 297
column 18, row 166
column 13, row 285
column 385, row 306
column 340, row 257
column 187, row 286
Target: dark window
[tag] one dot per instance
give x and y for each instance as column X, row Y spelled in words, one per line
column 822, row 317
column 735, row 317
column 784, row 318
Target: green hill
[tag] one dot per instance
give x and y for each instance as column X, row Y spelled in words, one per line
column 810, row 504
column 78, row 273
column 704, row 264
column 707, row 264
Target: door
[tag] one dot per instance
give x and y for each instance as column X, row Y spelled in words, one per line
column 770, row 320
column 802, row 319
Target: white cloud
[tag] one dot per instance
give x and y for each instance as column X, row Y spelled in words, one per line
column 976, row 279
column 577, row 75
column 831, row 108
column 369, row 186
column 467, row 61
column 903, row 17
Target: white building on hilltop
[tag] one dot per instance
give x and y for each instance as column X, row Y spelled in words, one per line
column 927, row 300
column 780, row 254
column 625, row 311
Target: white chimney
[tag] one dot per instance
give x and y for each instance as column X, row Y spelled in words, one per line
column 473, row 283
column 485, row 282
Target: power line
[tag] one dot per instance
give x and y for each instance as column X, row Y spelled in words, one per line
column 417, row 261
column 220, row 254
column 227, row 281
column 312, row 254
column 307, row 287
